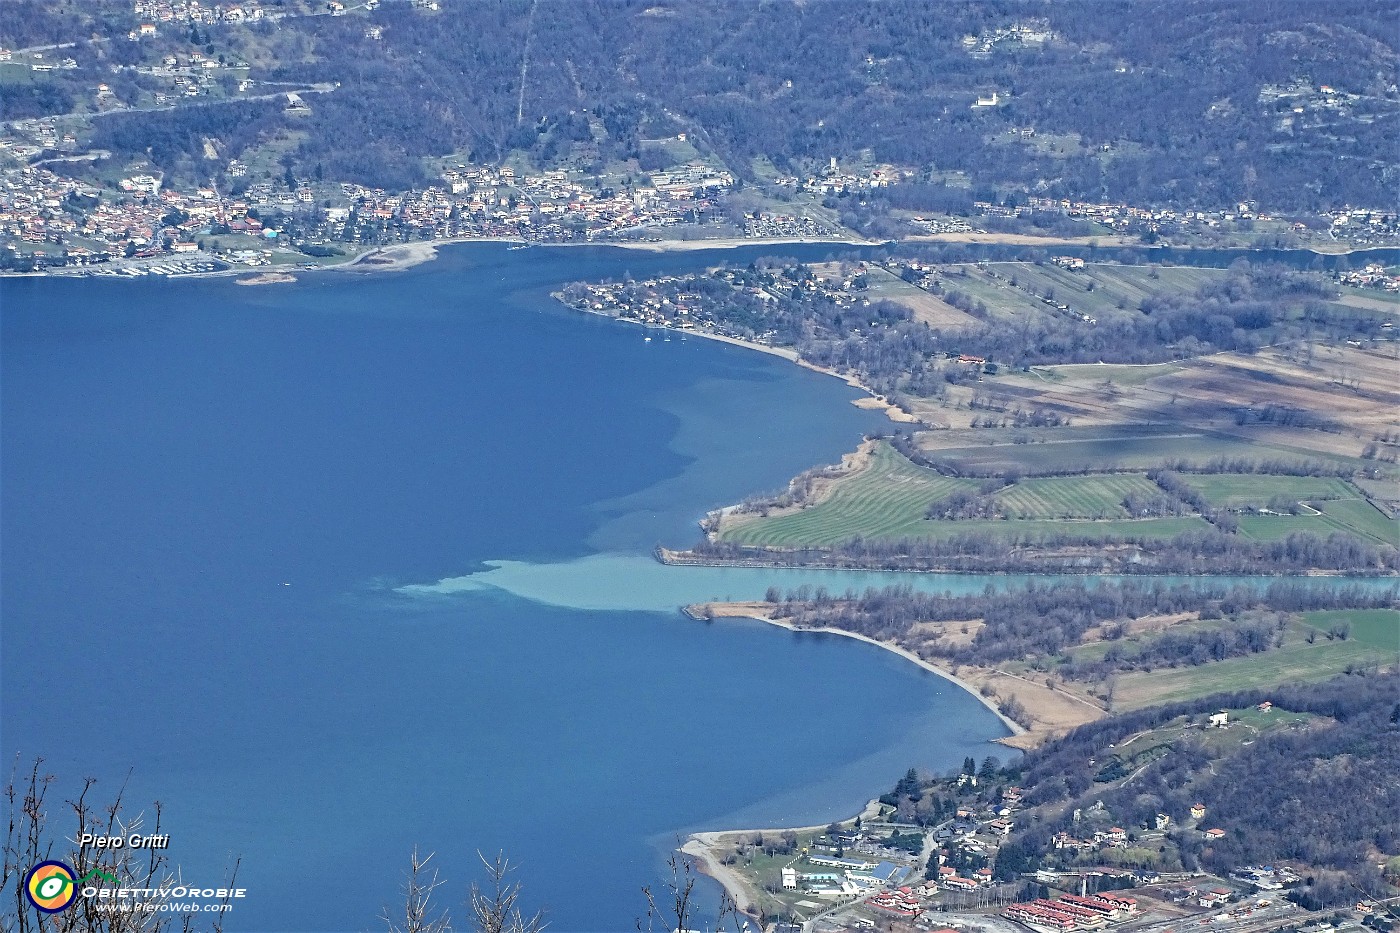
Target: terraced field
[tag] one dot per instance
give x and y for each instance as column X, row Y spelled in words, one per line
column 1239, row 490
column 1075, row 496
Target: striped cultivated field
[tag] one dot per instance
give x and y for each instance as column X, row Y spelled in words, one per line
column 1239, row 490
column 890, row 497
column 1093, row 496
column 887, row 499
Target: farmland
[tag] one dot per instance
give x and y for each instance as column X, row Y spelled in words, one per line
column 1378, row 628
column 886, row 499
column 1062, row 449
column 1236, row 490
column 1296, row 662
column 1297, row 405
column 926, row 307
column 889, row 498
column 1354, row 516
column 1074, row 496
column 1098, row 290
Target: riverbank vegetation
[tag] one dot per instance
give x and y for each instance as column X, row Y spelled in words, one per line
column 1106, row 648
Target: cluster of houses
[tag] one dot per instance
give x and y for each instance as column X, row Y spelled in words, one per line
column 768, row 224
column 1115, row 837
column 834, row 180
column 1033, row 32
column 1300, row 103
column 677, row 302
column 1073, row 912
column 901, row 902
column 942, row 225
column 152, row 12
column 545, row 207
column 1373, row 276
column 39, row 207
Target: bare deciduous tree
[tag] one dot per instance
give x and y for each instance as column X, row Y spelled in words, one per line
column 674, row 907
column 29, row 840
column 495, row 908
column 419, row 914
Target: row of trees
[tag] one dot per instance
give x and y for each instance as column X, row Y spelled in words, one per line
column 1208, row 552
column 1043, row 621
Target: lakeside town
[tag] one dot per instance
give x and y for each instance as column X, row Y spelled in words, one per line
column 939, row 857
column 50, row 222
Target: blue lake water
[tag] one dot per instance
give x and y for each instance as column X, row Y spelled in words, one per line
column 221, row 505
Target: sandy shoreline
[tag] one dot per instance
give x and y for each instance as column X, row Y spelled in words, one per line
column 1052, row 711
column 267, row 278
column 401, row 256
column 750, row 610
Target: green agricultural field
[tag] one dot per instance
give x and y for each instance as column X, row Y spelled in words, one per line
column 1362, row 517
column 1354, row 516
column 1101, row 290
column 1000, row 297
column 1093, row 496
column 1378, row 628
column 889, row 499
column 1239, row 490
column 1127, row 447
column 1101, row 448
column 1138, row 282
column 1118, row 374
column 1293, row 663
column 926, row 307
column 1247, row 725
column 1073, row 288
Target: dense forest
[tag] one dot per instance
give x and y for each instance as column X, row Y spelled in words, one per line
column 1165, row 102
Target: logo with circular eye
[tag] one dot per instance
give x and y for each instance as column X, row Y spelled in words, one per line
column 50, row 886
